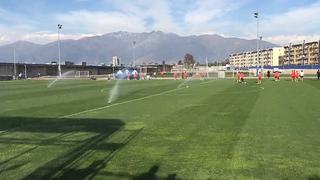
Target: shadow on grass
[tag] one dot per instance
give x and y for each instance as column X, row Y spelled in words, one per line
column 314, row 177
column 75, row 161
column 151, row 174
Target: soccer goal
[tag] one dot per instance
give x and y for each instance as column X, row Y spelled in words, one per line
column 82, row 74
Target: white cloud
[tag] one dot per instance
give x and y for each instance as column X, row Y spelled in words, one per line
column 8, row 35
column 159, row 11
column 293, row 26
column 206, row 10
column 294, row 39
column 301, row 20
column 43, row 37
column 100, row 22
column 200, row 17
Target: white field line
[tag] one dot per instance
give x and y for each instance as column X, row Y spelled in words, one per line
column 124, row 102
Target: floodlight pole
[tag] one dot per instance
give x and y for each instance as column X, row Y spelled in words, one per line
column 14, row 63
column 260, row 45
column 59, row 51
column 303, row 51
column 256, row 15
column 319, row 52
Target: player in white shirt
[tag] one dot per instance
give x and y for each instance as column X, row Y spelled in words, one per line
column 301, row 75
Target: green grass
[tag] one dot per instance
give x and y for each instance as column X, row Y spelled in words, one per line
column 212, row 130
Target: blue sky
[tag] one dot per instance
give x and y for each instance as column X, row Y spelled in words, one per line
column 281, row 21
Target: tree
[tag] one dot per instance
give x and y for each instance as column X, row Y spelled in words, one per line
column 226, row 61
column 180, row 62
column 188, row 60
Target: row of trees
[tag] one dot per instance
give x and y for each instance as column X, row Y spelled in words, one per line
column 189, row 61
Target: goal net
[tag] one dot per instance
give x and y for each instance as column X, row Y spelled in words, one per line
column 200, row 72
column 82, row 74
column 215, row 72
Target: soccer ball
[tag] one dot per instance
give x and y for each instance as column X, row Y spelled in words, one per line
column 187, row 86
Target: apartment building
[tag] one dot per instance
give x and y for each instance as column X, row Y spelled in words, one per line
column 267, row 57
column 302, row 54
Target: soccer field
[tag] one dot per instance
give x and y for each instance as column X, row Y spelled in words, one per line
column 160, row 129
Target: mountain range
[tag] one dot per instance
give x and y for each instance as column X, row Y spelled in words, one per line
column 148, row 47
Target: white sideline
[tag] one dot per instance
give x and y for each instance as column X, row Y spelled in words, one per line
column 116, row 104
column 124, row 102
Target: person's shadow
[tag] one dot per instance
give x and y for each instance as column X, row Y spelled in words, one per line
column 150, row 175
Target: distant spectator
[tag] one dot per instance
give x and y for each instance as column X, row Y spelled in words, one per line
column 268, row 74
column 20, row 76
column 238, row 77
column 318, row 74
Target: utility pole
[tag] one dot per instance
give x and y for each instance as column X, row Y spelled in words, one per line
column 25, row 70
column 207, row 67
column 289, row 54
column 134, row 52
column 303, row 53
column 319, row 52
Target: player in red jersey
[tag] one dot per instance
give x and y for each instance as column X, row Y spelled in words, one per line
column 135, row 75
column 277, row 76
column 260, row 78
column 296, row 76
column 293, row 75
column 242, row 78
column 185, row 74
column 175, row 75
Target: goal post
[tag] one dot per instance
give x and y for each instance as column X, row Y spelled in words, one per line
column 82, row 74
